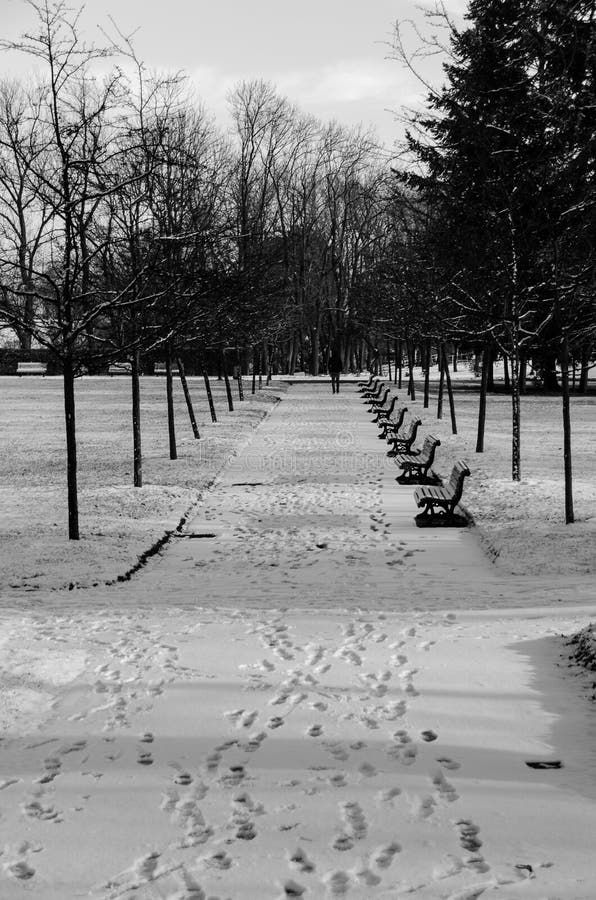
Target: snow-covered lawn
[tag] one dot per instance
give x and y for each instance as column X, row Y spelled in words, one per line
column 118, row 522
column 521, row 524
column 302, row 694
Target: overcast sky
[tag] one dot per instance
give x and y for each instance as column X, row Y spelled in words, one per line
column 330, row 57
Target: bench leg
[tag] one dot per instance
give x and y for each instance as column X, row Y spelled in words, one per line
column 414, row 477
column 432, row 518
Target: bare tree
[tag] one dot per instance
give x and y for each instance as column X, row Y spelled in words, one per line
column 78, row 116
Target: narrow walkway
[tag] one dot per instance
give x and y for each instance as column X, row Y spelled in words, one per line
column 309, row 514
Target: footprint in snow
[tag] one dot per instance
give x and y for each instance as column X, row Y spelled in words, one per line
column 388, row 795
column 338, row 779
column 468, row 835
column 20, row 869
column 218, row 860
column 423, row 806
column 233, row 777
column 183, row 778
column 291, row 888
column 254, row 742
column 280, row 698
column 383, row 856
column 299, row 860
column 364, row 875
column 247, row 720
column 275, row 722
column 338, row 883
column 343, row 842
column 445, row 789
column 146, row 866
column 354, row 819
column 314, row 730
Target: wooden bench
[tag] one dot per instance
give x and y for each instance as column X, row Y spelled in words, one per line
column 31, row 368
column 380, row 401
column 391, row 425
column 384, row 414
column 417, row 467
column 404, row 444
column 160, row 369
column 374, row 393
column 439, row 502
column 120, row 368
column 366, row 385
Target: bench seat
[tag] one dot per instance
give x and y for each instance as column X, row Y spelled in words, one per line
column 403, row 443
column 417, row 467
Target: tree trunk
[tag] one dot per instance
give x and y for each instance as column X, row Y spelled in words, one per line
column 191, row 412
column 569, row 516
column 455, row 357
column 170, row 401
column 411, row 383
column 208, row 392
column 449, row 390
column 441, row 384
column 522, row 371
column 262, row 350
column 490, row 378
column 224, row 369
column 255, row 354
column 240, row 385
column 270, row 355
column 71, row 449
column 315, row 344
column 427, row 354
column 137, row 453
column 515, row 408
column 482, row 406
column 400, row 350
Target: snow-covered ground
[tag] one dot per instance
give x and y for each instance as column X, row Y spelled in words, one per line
column 302, row 694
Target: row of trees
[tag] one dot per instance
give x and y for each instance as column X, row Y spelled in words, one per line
column 503, row 168
column 128, row 222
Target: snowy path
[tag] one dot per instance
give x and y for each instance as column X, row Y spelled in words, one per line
column 220, row 728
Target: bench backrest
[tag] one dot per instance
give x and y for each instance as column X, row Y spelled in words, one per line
column 383, row 401
column 400, row 417
column 413, row 430
column 456, row 480
column 389, row 412
column 428, row 448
